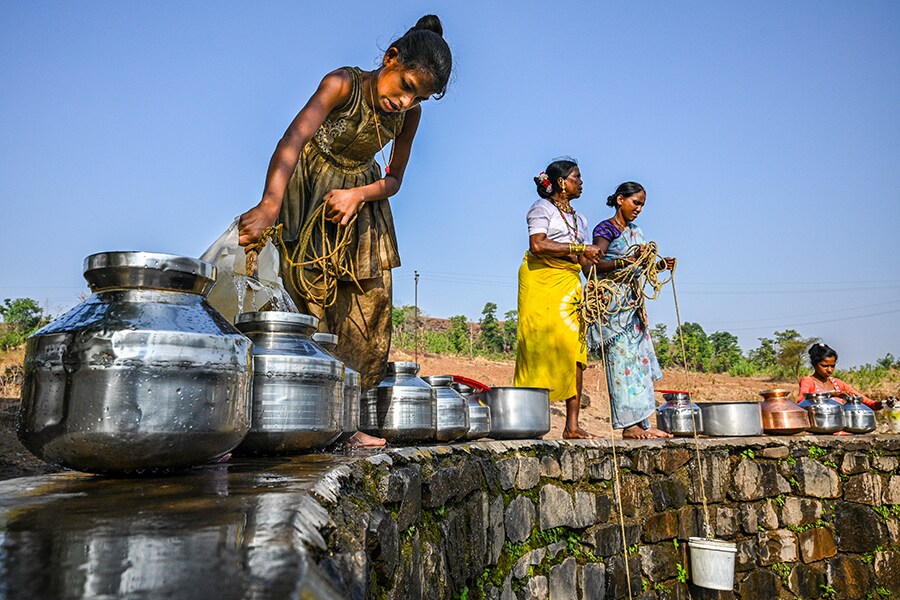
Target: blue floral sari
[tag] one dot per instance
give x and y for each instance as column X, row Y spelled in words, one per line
column 631, row 365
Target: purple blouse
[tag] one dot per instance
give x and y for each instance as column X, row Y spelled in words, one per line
column 607, row 230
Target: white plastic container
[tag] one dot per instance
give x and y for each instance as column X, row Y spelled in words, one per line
column 712, row 563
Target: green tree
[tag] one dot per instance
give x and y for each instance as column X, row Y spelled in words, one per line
column 22, row 317
column 697, row 348
column 726, row 351
column 490, row 337
column 887, row 362
column 459, row 333
column 792, row 351
column 662, row 345
column 509, row 330
column 764, row 357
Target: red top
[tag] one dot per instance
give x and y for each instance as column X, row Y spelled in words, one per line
column 811, row 385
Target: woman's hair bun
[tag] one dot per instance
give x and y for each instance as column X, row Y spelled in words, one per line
column 611, row 200
column 431, row 23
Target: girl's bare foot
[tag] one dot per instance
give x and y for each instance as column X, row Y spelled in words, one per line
column 842, row 433
column 636, row 432
column 364, row 440
column 577, row 434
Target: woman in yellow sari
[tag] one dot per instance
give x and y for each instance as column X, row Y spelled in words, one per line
column 551, row 351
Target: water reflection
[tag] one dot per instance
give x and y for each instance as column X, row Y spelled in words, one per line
column 229, row 531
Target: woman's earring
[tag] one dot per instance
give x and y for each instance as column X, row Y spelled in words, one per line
column 562, row 188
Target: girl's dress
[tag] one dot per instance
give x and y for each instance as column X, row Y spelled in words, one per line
column 631, row 365
column 809, row 385
column 549, row 341
column 341, row 155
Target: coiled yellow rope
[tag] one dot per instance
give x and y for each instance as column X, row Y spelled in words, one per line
column 314, row 269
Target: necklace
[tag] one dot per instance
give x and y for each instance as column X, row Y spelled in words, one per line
column 619, row 227
column 562, row 213
column 387, row 165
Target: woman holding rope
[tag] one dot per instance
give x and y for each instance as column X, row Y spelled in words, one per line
column 631, row 365
column 551, row 351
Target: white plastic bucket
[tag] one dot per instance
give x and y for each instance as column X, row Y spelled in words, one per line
column 712, row 563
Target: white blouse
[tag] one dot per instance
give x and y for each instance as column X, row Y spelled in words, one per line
column 544, row 217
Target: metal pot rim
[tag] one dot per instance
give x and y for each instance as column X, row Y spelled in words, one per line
column 277, row 316
column 108, row 270
column 439, row 380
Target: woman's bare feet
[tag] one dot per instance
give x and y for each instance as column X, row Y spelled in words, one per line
column 577, row 434
column 842, row 432
column 364, row 440
column 636, row 432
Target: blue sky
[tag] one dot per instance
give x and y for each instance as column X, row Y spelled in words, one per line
column 767, row 135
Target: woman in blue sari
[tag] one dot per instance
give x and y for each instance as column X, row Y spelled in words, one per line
column 631, row 365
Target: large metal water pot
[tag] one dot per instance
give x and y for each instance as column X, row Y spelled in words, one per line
column 144, row 374
column 402, row 408
column 678, row 415
column 452, row 409
column 780, row 414
column 298, row 388
column 826, row 415
column 858, row 418
column 350, row 421
column 479, row 412
column 518, row 413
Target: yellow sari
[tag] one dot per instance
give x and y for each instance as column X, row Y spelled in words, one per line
column 550, row 340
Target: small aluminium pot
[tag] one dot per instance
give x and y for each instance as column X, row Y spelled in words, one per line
column 350, row 421
column 402, row 408
column 518, row 413
column 452, row 409
column 678, row 415
column 781, row 415
column 858, row 418
column 731, row 419
column 826, row 415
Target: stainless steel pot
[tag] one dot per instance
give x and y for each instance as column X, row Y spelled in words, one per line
column 402, row 408
column 858, row 418
column 479, row 412
column 826, row 415
column 731, row 419
column 144, row 374
column 297, row 386
column 678, row 415
column 452, row 409
column 518, row 412
column 350, row 421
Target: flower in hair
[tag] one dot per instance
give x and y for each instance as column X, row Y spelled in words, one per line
column 545, row 181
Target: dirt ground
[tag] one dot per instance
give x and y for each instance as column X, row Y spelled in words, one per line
column 16, row 461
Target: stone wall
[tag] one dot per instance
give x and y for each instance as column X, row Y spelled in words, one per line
column 812, row 517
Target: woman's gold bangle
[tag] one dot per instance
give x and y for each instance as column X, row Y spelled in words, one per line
column 577, row 248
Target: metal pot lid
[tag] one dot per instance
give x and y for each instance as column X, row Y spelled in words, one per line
column 403, row 367
column 156, row 270
column 775, row 393
column 817, row 396
column 439, row 380
column 326, row 340
column 275, row 320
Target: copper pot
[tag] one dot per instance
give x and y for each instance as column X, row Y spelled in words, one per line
column 781, row 415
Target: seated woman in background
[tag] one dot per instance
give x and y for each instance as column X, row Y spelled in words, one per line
column 823, row 360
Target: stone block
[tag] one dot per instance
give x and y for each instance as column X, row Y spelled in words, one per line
column 616, row 579
column 550, row 467
column 863, row 489
column 658, row 561
column 716, row 475
column 643, row 462
column 529, row 473
column 815, row 479
column 816, row 544
column 562, row 580
column 496, row 533
column 556, row 506
column 519, row 519
column 606, row 539
column 555, row 548
column 849, row 577
column 506, row 593
column 667, row 493
column 745, row 558
column 585, row 510
column 753, row 481
column 892, row 490
column 451, row 482
column 777, row 546
column 537, row 588
column 636, row 498
column 854, row 462
column 727, row 521
column 406, row 487
column 669, row 460
column 749, row 519
column 800, row 511
column 889, row 464
column 806, row 581
column 775, row 452
column 383, row 543
column 893, row 528
column 592, row 581
column 758, row 584
column 887, row 570
column 660, row 526
column 858, row 528
column 434, row 564
column 572, row 465
column 507, row 469
column 534, row 557
column 690, row 522
column 602, row 470
column 464, row 541
column 766, row 515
